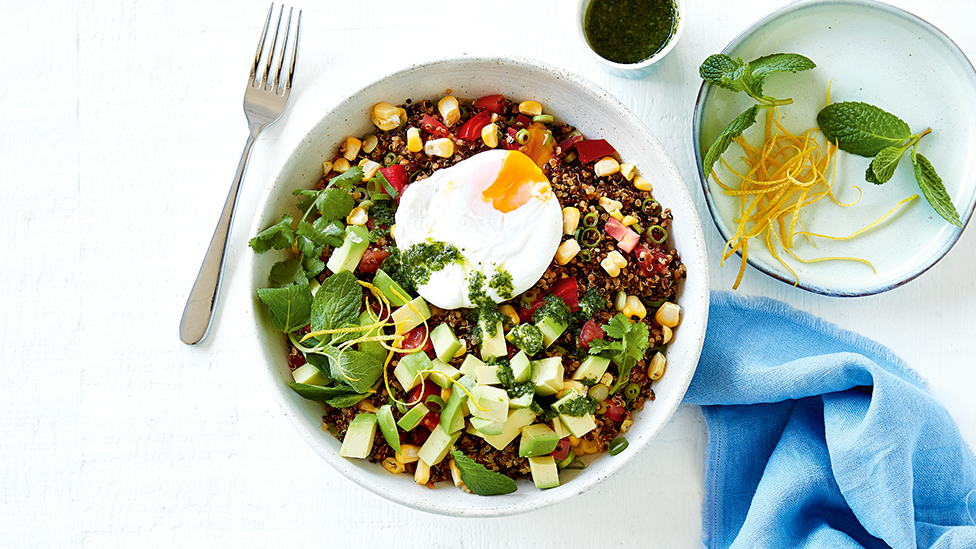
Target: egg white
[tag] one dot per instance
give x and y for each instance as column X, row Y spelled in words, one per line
column 449, row 207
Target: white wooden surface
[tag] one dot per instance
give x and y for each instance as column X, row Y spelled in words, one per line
column 121, row 125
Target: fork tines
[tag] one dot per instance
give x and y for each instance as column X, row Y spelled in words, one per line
column 276, row 85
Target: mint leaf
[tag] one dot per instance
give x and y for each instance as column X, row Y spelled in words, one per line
column 284, row 272
column 357, row 369
column 319, row 393
column 777, row 62
column 934, row 190
column 733, row 130
column 480, row 479
column 278, row 236
column 883, row 166
column 722, row 70
column 862, row 129
column 337, row 302
column 289, row 306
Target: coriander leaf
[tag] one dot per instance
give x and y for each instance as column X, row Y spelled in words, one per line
column 480, row 479
column 334, row 203
column 337, row 302
column 278, row 236
column 322, row 231
column 777, row 62
column 319, row 393
column 348, row 179
column 934, row 190
column 313, row 265
column 722, row 70
column 284, row 272
column 733, row 130
column 862, row 129
column 883, row 165
column 289, row 306
column 634, row 341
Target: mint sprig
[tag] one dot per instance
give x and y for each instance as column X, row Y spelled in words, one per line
column 866, row 130
column 480, row 479
column 737, row 76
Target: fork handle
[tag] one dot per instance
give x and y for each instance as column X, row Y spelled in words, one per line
column 200, row 305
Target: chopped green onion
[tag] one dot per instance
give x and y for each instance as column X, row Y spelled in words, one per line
column 590, row 237
column 523, row 136
column 390, row 189
column 591, row 219
column 570, row 156
column 657, row 234
column 576, row 464
column 650, row 206
column 389, row 159
column 434, row 399
column 631, row 391
column 585, row 256
column 617, row 445
column 543, row 118
column 636, row 227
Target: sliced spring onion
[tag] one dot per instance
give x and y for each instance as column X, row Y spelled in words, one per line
column 389, row 159
column 591, row 219
column 617, row 445
column 657, row 234
column 590, row 237
column 435, row 400
column 650, row 207
column 543, row 118
column 631, row 391
column 523, row 136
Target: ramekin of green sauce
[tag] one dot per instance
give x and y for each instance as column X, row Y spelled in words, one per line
column 628, row 37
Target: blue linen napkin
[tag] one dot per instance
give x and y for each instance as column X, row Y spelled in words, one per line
column 819, row 437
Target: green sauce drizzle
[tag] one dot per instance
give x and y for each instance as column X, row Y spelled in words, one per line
column 629, row 31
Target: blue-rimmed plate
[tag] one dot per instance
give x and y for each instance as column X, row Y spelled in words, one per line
column 875, row 53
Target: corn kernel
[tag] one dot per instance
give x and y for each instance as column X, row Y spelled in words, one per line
column 341, row 165
column 629, row 220
column 610, row 267
column 625, row 425
column 571, row 217
column 393, row 466
column 446, row 393
column 620, row 301
column 617, row 215
column 489, row 134
column 388, row 117
column 666, row 334
column 422, row 474
column 510, row 313
column 573, row 441
column 567, row 251
column 357, row 216
column 607, row 379
column 588, row 446
column 326, row 167
column 369, row 143
column 606, row 166
column 610, row 205
column 369, row 168
column 350, row 148
column 414, row 142
column 449, row 109
column 530, row 108
column 408, row 453
column 462, row 349
column 629, row 171
column 642, row 184
column 634, row 308
column 655, row 370
column 367, row 406
column 442, row 147
column 617, row 259
column 668, row 314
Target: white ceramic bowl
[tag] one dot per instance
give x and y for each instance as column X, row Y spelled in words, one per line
column 572, row 100
column 630, row 70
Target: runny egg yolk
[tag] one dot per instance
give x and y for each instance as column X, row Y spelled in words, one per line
column 515, row 182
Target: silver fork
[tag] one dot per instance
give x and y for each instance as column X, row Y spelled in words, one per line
column 265, row 99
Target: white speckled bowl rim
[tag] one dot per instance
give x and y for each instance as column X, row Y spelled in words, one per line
column 571, row 99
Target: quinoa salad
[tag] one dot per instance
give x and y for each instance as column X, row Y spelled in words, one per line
column 476, row 292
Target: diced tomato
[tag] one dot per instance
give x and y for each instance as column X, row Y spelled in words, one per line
column 423, row 390
column 521, row 121
column 614, row 411
column 594, row 149
column 651, row 262
column 431, row 420
column 590, row 331
column 434, row 126
column 396, row 175
column 415, row 338
column 562, row 449
column 567, row 289
column 625, row 237
column 372, row 259
column 567, row 144
column 471, row 130
column 295, row 360
column 491, row 103
column 526, row 312
column 510, row 142
column 629, row 241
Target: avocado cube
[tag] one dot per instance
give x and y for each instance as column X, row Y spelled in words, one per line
column 576, row 425
column 493, row 345
column 545, row 474
column 392, row 291
column 452, row 416
column 347, row 256
column 309, row 374
column 358, row 441
column 551, row 330
column 438, row 444
column 445, row 342
column 410, row 315
column 413, row 417
column 470, row 365
column 557, row 427
column 523, row 401
column 537, row 440
column 592, row 368
column 521, row 366
column 408, row 370
column 384, row 418
column 487, row 375
column 487, row 426
column 489, row 403
column 443, row 374
column 547, row 374
column 513, row 427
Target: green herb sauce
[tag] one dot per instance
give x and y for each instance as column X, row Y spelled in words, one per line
column 412, row 267
column 629, row 31
column 501, row 281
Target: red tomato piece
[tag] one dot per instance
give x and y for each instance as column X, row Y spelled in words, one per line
column 521, row 121
column 471, row 130
column 396, row 175
column 567, row 289
column 423, row 390
column 431, row 420
column 594, row 149
column 629, row 241
column 415, row 338
column 525, row 313
column 372, row 259
column 562, row 449
column 615, row 411
column 590, row 331
column 510, row 142
column 567, row 144
column 625, row 237
column 651, row 262
column 491, row 103
column 434, row 126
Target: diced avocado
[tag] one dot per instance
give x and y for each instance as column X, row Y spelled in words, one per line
column 445, row 342
column 593, row 368
column 576, row 425
column 413, row 417
column 547, row 374
column 513, row 427
column 390, row 288
column 347, row 256
column 526, row 337
column 523, row 401
column 537, row 440
column 489, row 403
column 452, row 416
column 374, row 348
column 493, row 345
column 408, row 370
column 521, row 367
column 557, row 427
column 470, row 365
column 437, row 446
column 359, row 436
column 308, row 374
column 487, row 426
column 410, row 315
column 551, row 330
column 443, row 373
column 384, row 418
column 545, row 474
column 487, row 375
